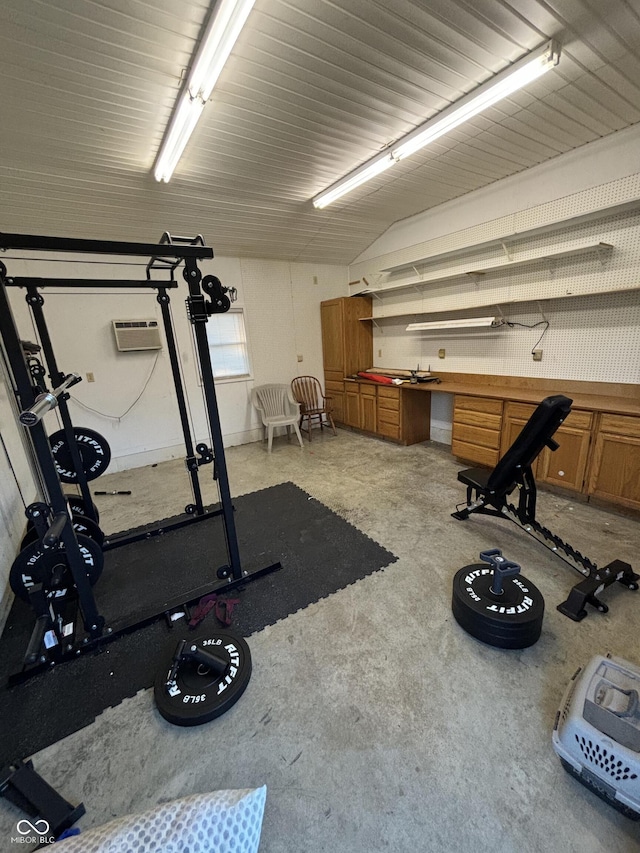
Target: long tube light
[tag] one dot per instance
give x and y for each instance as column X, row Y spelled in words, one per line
column 468, row 323
column 520, row 74
column 223, row 29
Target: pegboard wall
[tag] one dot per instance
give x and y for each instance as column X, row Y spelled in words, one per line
column 591, row 300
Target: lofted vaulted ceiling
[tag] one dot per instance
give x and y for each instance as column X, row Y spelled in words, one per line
column 312, row 89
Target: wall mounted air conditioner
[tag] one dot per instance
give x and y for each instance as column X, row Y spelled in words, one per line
column 132, row 335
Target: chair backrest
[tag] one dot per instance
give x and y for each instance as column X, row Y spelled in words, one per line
column 272, row 399
column 536, row 433
column 308, row 392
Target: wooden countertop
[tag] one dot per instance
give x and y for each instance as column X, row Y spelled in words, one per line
column 592, row 396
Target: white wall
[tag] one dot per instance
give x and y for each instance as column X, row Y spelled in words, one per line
column 282, row 316
column 591, row 300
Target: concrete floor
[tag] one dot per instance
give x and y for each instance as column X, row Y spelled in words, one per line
column 374, row 720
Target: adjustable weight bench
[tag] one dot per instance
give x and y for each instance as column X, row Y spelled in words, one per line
column 488, row 492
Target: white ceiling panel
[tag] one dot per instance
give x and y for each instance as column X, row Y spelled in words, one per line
column 312, row 89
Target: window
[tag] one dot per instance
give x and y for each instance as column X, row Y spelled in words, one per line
column 228, row 345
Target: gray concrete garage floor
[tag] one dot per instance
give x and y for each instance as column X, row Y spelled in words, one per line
column 374, row 720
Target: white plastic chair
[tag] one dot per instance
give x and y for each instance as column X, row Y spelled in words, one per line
column 278, row 407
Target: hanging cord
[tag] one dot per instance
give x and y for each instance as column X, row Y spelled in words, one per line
column 125, row 413
column 13, row 471
column 544, row 323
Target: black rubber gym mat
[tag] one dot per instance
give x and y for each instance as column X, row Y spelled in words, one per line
column 320, row 553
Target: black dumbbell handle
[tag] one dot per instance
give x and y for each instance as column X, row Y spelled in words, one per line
column 502, row 568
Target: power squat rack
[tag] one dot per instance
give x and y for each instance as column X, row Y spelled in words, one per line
column 206, row 296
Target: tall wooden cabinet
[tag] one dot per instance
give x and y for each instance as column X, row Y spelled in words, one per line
column 347, row 347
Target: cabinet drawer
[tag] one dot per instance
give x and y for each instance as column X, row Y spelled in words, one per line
column 331, row 387
column 388, row 403
column 522, row 411
column 478, row 404
column 386, row 393
column 368, row 390
column 388, row 416
column 476, row 435
column 477, row 419
column 473, row 453
column 333, row 376
column 578, row 419
column 620, row 425
column 389, row 430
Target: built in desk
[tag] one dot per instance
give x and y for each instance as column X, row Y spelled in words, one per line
column 599, row 442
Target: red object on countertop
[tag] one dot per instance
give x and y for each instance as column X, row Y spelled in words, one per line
column 376, row 377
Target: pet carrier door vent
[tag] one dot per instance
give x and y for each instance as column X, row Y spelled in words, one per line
column 134, row 335
column 605, row 760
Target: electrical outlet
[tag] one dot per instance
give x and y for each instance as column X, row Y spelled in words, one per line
column 90, row 377
column 442, row 353
column 537, row 355
column 379, row 353
column 315, row 279
column 300, row 358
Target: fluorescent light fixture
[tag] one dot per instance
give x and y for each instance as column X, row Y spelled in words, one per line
column 354, row 179
column 223, row 29
column 468, row 323
column 521, row 73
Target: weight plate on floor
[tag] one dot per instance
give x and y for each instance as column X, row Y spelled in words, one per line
column 94, row 449
column 36, row 565
column 79, row 507
column 81, row 525
column 512, row 620
column 197, row 695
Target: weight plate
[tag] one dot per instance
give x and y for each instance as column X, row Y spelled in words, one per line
column 81, row 525
column 197, row 695
column 94, row 449
column 79, row 507
column 36, row 565
column 512, row 620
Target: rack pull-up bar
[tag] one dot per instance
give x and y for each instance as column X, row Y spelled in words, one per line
column 103, row 247
column 29, row 281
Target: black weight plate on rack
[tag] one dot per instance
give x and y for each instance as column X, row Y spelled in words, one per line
column 198, row 695
column 79, row 507
column 512, row 620
column 34, row 563
column 94, row 451
column 81, row 525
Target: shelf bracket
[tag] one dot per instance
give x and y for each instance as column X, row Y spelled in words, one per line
column 604, row 251
column 505, row 249
column 541, row 310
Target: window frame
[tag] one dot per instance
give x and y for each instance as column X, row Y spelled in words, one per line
column 244, row 377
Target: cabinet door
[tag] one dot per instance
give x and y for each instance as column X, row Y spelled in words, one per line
column 333, row 353
column 352, row 405
column 516, row 416
column 567, row 465
column 615, row 467
column 335, row 391
column 368, row 412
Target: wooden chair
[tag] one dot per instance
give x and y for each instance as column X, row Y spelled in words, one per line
column 313, row 403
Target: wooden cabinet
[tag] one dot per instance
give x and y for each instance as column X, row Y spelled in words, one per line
column 565, row 466
column 477, row 423
column 389, row 412
column 368, row 410
column 352, row 404
column 614, row 472
column 347, row 343
column 515, row 416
